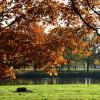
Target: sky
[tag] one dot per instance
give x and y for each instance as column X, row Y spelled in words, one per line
column 63, row 1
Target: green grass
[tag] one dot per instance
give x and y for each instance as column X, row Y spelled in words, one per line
column 51, row 92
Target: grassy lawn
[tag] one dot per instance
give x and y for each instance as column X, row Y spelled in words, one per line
column 51, row 92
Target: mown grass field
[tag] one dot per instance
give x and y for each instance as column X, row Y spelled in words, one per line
column 51, row 92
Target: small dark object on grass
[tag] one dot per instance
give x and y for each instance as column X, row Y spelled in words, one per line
column 21, row 89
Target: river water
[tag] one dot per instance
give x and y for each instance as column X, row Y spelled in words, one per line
column 54, row 80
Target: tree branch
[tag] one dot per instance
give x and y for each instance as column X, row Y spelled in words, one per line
column 16, row 19
column 13, row 64
column 92, row 8
column 76, row 10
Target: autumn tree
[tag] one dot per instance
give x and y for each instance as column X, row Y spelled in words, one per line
column 23, row 40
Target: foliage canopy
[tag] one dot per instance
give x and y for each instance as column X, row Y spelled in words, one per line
column 23, row 39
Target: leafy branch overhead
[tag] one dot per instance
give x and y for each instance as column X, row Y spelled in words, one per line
column 23, row 39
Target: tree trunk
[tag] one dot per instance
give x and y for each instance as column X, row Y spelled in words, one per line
column 35, row 68
column 84, row 65
column 75, row 65
column 87, row 66
column 68, row 68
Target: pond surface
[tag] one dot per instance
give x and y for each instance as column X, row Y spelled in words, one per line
column 54, row 80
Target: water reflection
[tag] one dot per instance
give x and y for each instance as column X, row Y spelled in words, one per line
column 54, row 80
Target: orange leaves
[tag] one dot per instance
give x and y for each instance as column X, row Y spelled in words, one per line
column 75, row 52
column 1, row 8
column 82, row 53
column 37, row 29
column 96, row 2
column 51, row 67
column 49, row 54
column 82, row 49
column 23, row 40
column 84, row 44
column 56, row 60
column 97, row 39
column 7, row 72
column 87, row 53
column 10, row 73
column 52, row 72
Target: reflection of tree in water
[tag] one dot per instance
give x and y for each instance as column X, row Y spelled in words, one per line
column 53, row 80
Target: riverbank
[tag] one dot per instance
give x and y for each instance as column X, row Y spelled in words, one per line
column 51, row 92
column 73, row 73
